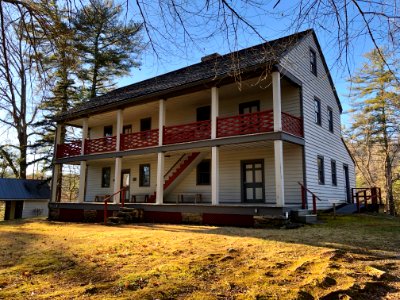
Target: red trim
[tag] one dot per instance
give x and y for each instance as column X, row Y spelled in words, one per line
column 187, row 132
column 104, row 144
column 228, row 220
column 141, row 139
column 162, row 217
column 180, row 169
column 292, row 124
column 72, row 148
column 246, row 124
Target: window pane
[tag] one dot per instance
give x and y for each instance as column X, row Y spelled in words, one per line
column 144, row 175
column 249, row 176
column 249, row 194
column 258, row 174
column 259, row 194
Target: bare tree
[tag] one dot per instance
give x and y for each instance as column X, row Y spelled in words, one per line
column 17, row 90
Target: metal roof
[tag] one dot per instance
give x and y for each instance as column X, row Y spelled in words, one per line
column 23, row 189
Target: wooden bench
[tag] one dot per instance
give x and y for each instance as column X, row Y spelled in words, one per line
column 100, row 198
column 197, row 197
column 135, row 196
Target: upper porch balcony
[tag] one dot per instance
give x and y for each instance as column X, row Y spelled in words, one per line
column 243, row 124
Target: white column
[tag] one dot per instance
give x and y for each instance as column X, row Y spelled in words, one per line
column 160, row 178
column 56, row 175
column 279, row 179
column 161, row 120
column 214, row 111
column 82, row 182
column 120, row 124
column 277, row 103
column 56, row 167
column 214, row 175
column 85, row 131
column 117, row 178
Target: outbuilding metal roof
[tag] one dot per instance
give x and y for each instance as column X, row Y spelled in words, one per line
column 23, row 189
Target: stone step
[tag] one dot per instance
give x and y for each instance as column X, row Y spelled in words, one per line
column 300, row 212
column 308, row 219
column 114, row 220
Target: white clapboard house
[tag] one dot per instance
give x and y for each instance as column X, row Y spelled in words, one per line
column 229, row 138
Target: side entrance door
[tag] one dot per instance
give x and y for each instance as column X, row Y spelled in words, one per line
column 125, row 181
column 253, row 187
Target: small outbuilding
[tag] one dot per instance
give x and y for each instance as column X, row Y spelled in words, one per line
column 23, row 198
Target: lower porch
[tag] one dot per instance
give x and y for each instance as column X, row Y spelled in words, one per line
column 243, row 215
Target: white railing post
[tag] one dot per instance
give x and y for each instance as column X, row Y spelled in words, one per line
column 117, row 178
column 160, row 178
column 120, row 124
column 56, row 167
column 214, row 111
column 277, row 101
column 279, row 174
column 161, row 121
column 214, row 175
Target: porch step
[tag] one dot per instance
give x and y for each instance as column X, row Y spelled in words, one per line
column 308, row 219
column 304, row 216
column 126, row 215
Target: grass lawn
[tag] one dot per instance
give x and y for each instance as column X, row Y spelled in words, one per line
column 352, row 257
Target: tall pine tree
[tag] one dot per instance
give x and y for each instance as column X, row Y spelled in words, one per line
column 376, row 108
column 107, row 46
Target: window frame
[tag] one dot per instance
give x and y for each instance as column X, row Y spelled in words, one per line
column 141, row 175
column 200, row 172
column 105, row 130
column 321, row 170
column 105, row 182
column 248, row 104
column 313, row 62
column 330, row 119
column 317, row 114
column 334, row 172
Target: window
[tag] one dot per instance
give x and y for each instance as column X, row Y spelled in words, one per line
column 145, row 124
column 321, row 172
column 105, row 177
column 249, row 107
column 108, row 130
column 203, row 113
column 330, row 119
column 333, row 172
column 317, row 111
column 127, row 129
column 144, row 175
column 204, row 172
column 313, row 62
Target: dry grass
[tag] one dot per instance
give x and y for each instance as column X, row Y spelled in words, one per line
column 355, row 257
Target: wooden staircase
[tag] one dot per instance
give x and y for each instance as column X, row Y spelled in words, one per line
column 177, row 172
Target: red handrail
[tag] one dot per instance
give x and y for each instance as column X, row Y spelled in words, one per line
column 104, row 144
column 304, row 191
column 122, row 191
column 72, row 148
column 360, row 195
column 141, row 139
column 187, row 132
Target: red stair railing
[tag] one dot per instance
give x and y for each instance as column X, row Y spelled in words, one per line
column 180, row 169
column 187, row 132
column 364, row 195
column 304, row 191
column 122, row 192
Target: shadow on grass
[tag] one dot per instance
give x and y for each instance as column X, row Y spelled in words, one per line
column 27, row 256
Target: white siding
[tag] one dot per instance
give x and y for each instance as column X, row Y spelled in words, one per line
column 318, row 139
column 33, row 207
column 230, row 174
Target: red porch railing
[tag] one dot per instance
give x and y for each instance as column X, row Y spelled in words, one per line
column 371, row 197
column 73, row 148
column 188, row 132
column 246, row 124
column 304, row 192
column 105, row 144
column 142, row 139
column 292, row 124
column 122, row 191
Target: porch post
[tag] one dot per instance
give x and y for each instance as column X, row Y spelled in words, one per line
column 120, row 124
column 161, row 121
column 277, row 103
column 56, row 167
column 82, row 175
column 117, row 178
column 214, row 111
column 279, row 178
column 214, row 175
column 160, row 178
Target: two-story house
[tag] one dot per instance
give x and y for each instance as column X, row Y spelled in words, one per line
column 228, row 138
